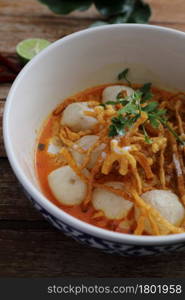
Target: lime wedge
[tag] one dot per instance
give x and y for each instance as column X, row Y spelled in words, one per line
column 28, row 48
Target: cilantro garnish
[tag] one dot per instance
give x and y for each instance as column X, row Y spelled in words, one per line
column 146, row 92
column 133, row 106
column 123, row 75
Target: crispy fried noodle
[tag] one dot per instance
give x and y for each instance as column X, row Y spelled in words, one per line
column 119, row 156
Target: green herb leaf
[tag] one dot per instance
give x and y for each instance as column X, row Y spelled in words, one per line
column 146, row 92
column 130, row 108
column 152, row 106
column 112, row 130
column 154, row 122
column 117, row 126
column 123, row 75
column 147, row 139
column 173, row 132
column 155, row 116
column 111, row 102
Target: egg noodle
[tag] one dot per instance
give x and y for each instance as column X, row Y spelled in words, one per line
column 141, row 166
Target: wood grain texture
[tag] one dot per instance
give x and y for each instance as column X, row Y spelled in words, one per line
column 29, row 245
column 28, row 27
column 2, row 150
column 165, row 11
column 4, row 89
column 14, row 205
column 48, row 253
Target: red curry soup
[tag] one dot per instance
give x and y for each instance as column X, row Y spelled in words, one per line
column 113, row 156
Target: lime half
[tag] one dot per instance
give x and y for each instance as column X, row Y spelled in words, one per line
column 28, row 48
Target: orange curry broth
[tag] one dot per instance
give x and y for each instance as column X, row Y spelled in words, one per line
column 45, row 162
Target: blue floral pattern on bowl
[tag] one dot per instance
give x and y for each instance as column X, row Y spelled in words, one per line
column 102, row 244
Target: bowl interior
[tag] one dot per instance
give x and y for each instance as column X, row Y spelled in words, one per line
column 82, row 60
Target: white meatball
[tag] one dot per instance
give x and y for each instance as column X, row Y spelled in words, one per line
column 85, row 143
column 53, row 149
column 74, row 117
column 66, row 186
column 110, row 93
column 167, row 204
column 112, row 205
column 54, row 145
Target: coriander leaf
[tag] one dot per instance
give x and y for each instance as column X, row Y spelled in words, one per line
column 161, row 112
column 145, row 88
column 154, row 122
column 155, row 117
column 118, row 120
column 173, row 132
column 147, row 139
column 146, row 92
column 146, row 97
column 136, row 97
column 152, row 106
column 111, row 102
column 123, row 75
column 130, row 108
column 117, row 126
column 112, row 130
column 120, row 124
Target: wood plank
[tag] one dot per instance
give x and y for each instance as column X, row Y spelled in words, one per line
column 2, row 150
column 48, row 253
column 29, row 27
column 4, row 89
column 47, row 28
column 22, row 7
column 14, row 205
column 177, row 26
column 165, row 11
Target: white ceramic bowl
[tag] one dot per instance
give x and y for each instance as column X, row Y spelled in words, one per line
column 84, row 59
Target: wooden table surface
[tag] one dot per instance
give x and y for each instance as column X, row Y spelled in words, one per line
column 29, row 245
